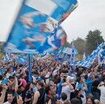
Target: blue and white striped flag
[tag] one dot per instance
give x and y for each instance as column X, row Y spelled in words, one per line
column 91, row 58
column 101, row 56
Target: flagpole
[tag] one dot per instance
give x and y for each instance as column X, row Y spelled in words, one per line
column 30, row 68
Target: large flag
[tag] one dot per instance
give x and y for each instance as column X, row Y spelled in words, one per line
column 37, row 26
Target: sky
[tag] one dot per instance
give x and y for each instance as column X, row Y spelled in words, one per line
column 89, row 15
column 8, row 14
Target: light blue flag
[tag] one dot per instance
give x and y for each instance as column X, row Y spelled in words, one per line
column 37, row 26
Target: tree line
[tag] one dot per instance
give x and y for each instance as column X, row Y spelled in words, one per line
column 90, row 43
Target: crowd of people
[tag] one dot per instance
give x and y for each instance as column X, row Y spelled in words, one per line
column 52, row 83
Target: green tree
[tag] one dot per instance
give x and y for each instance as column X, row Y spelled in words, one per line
column 1, row 50
column 93, row 39
column 79, row 45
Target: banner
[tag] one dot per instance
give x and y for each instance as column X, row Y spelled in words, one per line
column 37, row 27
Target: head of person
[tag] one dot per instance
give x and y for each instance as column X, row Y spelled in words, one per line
column 10, row 96
column 70, row 79
column 75, row 101
column 63, row 76
column 63, row 96
column 90, row 100
column 10, row 69
column 82, row 79
column 40, row 84
column 11, row 80
column 52, row 87
column 67, row 102
column 96, row 77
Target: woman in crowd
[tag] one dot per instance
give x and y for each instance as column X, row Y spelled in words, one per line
column 90, row 100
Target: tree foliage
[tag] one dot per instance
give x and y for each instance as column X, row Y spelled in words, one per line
column 80, row 45
column 67, row 44
column 93, row 39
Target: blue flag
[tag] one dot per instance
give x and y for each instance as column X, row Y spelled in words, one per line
column 37, row 26
column 88, row 61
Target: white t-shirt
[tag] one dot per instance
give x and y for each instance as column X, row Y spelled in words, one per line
column 102, row 97
column 7, row 103
column 66, row 89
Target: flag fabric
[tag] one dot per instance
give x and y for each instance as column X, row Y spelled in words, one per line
column 56, row 9
column 101, row 56
column 91, row 58
column 37, row 26
column 67, row 50
column 6, row 58
column 74, row 53
column 67, row 54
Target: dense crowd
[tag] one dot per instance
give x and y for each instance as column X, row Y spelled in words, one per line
column 52, row 83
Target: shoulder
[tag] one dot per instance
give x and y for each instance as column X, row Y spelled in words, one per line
column 37, row 93
column 6, row 102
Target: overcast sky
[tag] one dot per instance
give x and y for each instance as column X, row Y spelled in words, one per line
column 89, row 15
column 8, row 13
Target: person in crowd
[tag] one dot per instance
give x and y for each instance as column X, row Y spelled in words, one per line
column 95, row 90
column 9, row 72
column 67, row 87
column 64, row 99
column 39, row 95
column 51, row 96
column 10, row 98
column 90, row 100
column 53, row 83
column 75, row 101
column 81, row 85
column 101, row 87
column 28, row 93
column 3, row 89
